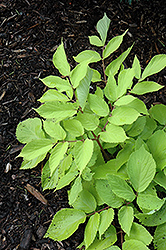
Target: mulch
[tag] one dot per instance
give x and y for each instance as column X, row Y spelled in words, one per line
column 30, row 32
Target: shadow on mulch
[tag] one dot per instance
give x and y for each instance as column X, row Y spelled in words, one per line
column 30, row 32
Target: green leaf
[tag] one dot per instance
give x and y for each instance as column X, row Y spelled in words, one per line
column 57, row 155
column 113, row 134
column 139, row 106
column 106, row 194
column 85, row 201
column 137, row 127
column 123, row 115
column 95, row 40
column 134, row 245
column 65, row 223
column 82, row 153
column 145, row 87
column 49, row 181
column 58, row 111
column 30, row 129
column 120, row 187
column 35, row 148
column 141, row 169
column 125, row 81
column 158, row 112
column 96, row 77
column 140, row 233
column 88, row 55
column 110, row 90
column 53, row 95
column 66, row 179
column 102, row 27
column 74, row 127
column 54, row 129
column 91, row 229
column 98, row 105
column 82, row 90
column 56, row 82
column 32, row 163
column 126, row 217
column 149, row 202
column 88, row 121
column 137, row 68
column 75, row 190
column 109, row 238
column 150, row 126
column 157, row 149
column 113, row 248
column 160, row 179
column 156, row 64
column 160, row 237
column 113, row 45
column 154, row 219
column 114, row 66
column 106, row 218
column 78, row 73
column 60, row 61
column 124, row 100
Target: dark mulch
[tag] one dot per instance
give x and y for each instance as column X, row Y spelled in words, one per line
column 29, row 34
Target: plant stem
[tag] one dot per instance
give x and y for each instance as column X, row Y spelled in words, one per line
column 105, row 208
column 102, row 149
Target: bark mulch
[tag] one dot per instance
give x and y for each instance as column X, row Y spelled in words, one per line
column 30, row 32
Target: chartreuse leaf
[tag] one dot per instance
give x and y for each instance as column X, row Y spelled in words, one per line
column 114, row 66
column 54, row 129
column 49, row 181
column 35, row 148
column 125, row 100
column 137, row 68
column 98, row 105
column 74, row 127
column 106, row 194
column 158, row 112
column 113, row 45
column 149, row 202
column 158, row 150
column 57, row 110
column 160, row 237
column 53, row 95
column 154, row 219
column 32, row 163
column 145, row 87
column 95, row 40
column 113, row 134
column 85, row 201
column 110, row 90
column 78, row 73
column 150, row 126
column 96, row 77
column 113, row 248
column 29, row 130
column 120, row 187
column 91, row 229
column 66, row 179
column 102, row 27
column 156, row 64
column 141, row 169
column 82, row 90
column 109, row 238
column 88, row 121
column 65, row 223
column 88, row 55
column 134, row 245
column 75, row 190
column 57, row 154
column 137, row 127
column 82, row 153
column 123, row 115
column 125, row 81
column 56, row 82
column 125, row 218
column 106, row 218
column 160, row 179
column 60, row 61
column 140, row 233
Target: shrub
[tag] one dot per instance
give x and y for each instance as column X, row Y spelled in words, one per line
column 106, row 145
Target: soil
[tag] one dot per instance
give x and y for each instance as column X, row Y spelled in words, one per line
column 30, row 32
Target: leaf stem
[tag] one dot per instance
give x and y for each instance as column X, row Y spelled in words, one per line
column 102, row 149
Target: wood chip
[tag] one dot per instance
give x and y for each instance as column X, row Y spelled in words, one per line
column 36, row 194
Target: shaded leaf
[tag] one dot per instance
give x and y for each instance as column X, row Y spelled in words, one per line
column 85, row 201
column 158, row 112
column 98, row 105
column 160, row 237
column 74, row 127
column 106, row 218
column 91, row 229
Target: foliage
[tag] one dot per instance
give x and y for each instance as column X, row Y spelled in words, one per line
column 106, row 144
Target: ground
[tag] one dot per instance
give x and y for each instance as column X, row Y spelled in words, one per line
column 30, row 32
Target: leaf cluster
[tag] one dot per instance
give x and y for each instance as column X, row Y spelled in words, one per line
column 106, row 145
